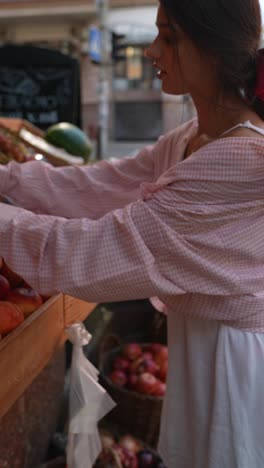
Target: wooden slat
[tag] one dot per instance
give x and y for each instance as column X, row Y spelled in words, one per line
column 76, row 310
column 17, row 124
column 27, row 350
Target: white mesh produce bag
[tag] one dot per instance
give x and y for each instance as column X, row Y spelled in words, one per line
column 89, row 402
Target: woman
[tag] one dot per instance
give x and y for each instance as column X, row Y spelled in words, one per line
column 183, row 221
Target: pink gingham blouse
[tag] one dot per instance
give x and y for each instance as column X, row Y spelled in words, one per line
column 190, row 232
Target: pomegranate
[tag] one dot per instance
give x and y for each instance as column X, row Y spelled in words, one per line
column 132, row 351
column 146, row 383
column 118, row 377
column 121, row 363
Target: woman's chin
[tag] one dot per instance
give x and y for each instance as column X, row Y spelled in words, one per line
column 170, row 89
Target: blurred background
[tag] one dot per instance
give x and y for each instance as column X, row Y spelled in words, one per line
column 118, row 88
column 83, row 61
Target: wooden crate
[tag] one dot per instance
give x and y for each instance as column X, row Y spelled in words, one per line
column 28, row 349
column 16, row 124
column 56, row 156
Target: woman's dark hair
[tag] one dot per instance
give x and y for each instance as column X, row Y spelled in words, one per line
column 229, row 30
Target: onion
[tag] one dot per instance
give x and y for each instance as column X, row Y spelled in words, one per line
column 130, row 443
column 107, row 439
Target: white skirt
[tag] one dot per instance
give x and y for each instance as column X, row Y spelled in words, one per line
column 213, row 413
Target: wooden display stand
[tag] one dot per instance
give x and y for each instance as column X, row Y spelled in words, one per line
column 28, row 359
column 32, row 372
column 29, row 348
column 54, row 155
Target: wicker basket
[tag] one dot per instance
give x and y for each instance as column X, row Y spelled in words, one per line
column 59, row 462
column 136, row 413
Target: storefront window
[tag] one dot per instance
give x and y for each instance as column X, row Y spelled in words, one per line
column 132, row 70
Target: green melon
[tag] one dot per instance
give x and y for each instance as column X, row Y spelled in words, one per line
column 71, row 138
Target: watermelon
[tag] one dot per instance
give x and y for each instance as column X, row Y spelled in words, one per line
column 71, row 138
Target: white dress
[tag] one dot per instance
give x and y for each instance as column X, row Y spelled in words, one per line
column 213, row 415
column 189, row 232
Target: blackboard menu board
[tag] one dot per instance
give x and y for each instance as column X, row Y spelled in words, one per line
column 39, row 85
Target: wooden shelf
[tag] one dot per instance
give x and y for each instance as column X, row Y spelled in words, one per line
column 35, row 140
column 28, row 349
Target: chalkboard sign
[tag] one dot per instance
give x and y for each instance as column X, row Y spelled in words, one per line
column 39, row 85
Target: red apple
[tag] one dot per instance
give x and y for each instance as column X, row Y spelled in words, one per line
column 159, row 389
column 132, row 381
column 146, row 383
column 154, row 347
column 10, row 317
column 147, row 355
column 118, row 377
column 132, row 351
column 13, row 278
column 161, row 355
column 4, row 286
column 163, row 370
column 121, row 363
column 28, row 300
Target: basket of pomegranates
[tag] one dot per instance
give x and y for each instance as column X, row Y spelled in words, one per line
column 126, row 451
column 135, row 376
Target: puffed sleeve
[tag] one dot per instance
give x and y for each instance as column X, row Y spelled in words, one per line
column 91, row 191
column 77, row 191
column 161, row 246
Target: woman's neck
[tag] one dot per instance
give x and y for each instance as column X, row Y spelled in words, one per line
column 214, row 118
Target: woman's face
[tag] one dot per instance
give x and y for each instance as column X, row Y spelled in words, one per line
column 182, row 67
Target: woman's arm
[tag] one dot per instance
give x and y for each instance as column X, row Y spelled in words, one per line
column 94, row 190
column 104, row 260
column 160, row 247
column 75, row 192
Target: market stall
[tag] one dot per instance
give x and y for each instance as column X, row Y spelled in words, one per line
column 32, row 373
column 133, row 366
column 28, row 349
column 32, row 357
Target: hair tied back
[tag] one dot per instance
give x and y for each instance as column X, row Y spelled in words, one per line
column 259, row 89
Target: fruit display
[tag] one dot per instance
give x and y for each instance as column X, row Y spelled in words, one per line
column 11, row 147
column 71, row 138
column 17, row 299
column 10, row 317
column 126, row 452
column 141, row 368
